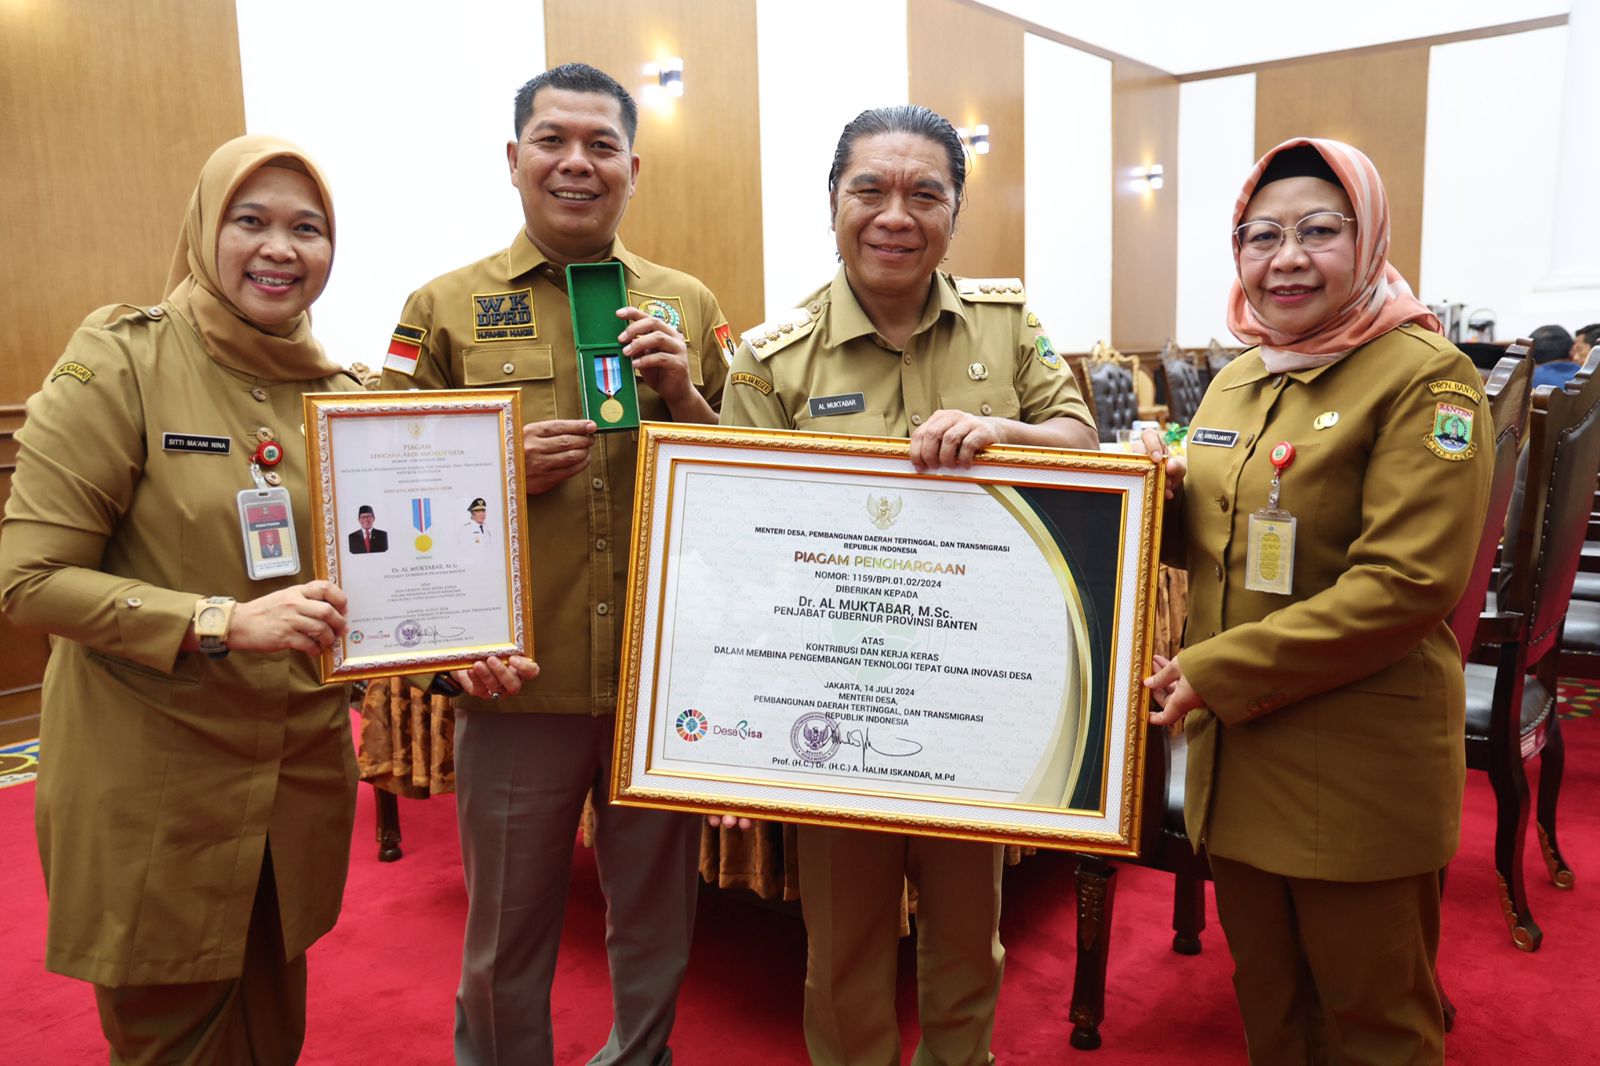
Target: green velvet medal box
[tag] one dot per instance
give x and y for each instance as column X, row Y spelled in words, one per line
column 596, row 291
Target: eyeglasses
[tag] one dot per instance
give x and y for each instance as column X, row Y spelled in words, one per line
column 1316, row 233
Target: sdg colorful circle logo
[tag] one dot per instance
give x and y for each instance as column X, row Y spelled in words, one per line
column 691, row 725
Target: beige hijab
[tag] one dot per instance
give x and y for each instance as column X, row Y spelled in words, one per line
column 284, row 352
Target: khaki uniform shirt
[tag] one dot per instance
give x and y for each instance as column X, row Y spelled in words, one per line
column 579, row 531
column 825, row 369
column 1332, row 747
column 164, row 774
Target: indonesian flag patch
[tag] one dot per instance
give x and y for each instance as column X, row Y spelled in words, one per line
column 405, row 347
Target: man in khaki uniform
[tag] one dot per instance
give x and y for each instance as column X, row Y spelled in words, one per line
column 892, row 347
column 524, row 765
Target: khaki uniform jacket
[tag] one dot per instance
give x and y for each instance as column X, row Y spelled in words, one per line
column 163, row 775
column 580, row 530
column 1332, row 744
column 977, row 349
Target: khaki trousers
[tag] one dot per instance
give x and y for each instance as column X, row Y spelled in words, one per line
column 850, row 885
column 257, row 1018
column 1333, row 971
column 520, row 784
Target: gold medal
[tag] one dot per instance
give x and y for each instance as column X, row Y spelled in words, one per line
column 611, row 410
column 424, row 542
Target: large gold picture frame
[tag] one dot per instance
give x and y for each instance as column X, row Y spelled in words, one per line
column 818, row 633
column 447, row 583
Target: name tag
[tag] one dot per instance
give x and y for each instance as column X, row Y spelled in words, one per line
column 195, row 442
column 1215, row 438
column 848, row 404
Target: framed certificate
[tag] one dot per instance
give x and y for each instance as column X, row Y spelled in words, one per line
column 816, row 632
column 417, row 509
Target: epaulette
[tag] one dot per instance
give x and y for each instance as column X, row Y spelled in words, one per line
column 778, row 333
column 105, row 316
column 990, row 290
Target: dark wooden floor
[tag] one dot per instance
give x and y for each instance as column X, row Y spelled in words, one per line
column 19, row 716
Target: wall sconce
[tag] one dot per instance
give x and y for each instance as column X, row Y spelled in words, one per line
column 976, row 139
column 665, row 79
column 1151, row 175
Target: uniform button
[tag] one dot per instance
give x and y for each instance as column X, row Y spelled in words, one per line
column 154, row 312
column 597, row 483
column 260, row 394
column 601, row 608
column 908, row 360
column 263, row 434
column 1277, row 382
column 916, row 420
column 600, row 545
column 1251, row 439
column 1219, row 571
column 1222, row 502
column 273, row 478
column 814, row 307
column 134, row 601
column 986, row 409
column 509, row 368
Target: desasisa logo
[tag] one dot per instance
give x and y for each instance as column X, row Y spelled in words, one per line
column 692, row 725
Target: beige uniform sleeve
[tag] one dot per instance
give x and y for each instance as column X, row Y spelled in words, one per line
column 1045, row 391
column 713, row 365
column 433, row 363
column 81, row 456
column 752, row 399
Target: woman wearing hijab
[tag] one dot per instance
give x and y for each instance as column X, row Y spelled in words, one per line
column 197, row 783
column 1330, row 472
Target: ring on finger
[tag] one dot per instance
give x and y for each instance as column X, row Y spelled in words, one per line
column 494, row 695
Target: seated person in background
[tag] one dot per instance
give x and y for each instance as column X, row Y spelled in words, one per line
column 1552, row 356
column 1584, row 340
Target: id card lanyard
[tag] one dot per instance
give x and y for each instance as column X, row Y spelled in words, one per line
column 1269, row 557
column 266, row 520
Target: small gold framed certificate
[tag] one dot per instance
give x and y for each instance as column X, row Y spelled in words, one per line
column 417, row 509
column 819, row 633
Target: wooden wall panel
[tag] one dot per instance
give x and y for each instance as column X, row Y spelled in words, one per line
column 966, row 64
column 1377, row 101
column 1144, row 221
column 109, row 109
column 698, row 204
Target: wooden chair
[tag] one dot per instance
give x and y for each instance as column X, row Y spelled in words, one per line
column 1111, row 392
column 1164, row 844
column 1511, row 717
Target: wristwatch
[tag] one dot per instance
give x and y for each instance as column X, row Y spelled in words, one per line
column 211, row 618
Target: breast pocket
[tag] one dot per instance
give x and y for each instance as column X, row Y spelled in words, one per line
column 989, row 399
column 859, row 423
column 530, row 367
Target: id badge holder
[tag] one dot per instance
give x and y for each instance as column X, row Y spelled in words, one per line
column 1269, row 548
column 266, row 521
column 1269, row 554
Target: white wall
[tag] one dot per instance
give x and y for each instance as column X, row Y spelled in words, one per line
column 1067, row 177
column 1182, row 36
column 412, row 142
column 813, row 79
column 1216, row 148
column 1494, row 113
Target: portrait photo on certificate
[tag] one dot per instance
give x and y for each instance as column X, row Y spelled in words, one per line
column 417, row 503
column 819, row 633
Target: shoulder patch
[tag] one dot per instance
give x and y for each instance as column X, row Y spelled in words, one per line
column 1047, row 352
column 72, row 370
column 1451, row 437
column 405, row 346
column 991, row 290
column 760, row 384
column 724, row 335
column 778, row 333
column 1448, row 386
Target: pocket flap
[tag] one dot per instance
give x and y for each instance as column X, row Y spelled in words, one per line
column 495, row 365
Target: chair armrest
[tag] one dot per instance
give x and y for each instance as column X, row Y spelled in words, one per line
column 1499, row 627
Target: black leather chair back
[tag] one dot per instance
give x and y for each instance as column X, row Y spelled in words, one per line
column 1185, row 387
column 1116, row 405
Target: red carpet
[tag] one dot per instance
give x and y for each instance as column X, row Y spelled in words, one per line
column 382, row 984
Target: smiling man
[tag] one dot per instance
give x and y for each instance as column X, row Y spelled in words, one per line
column 525, row 764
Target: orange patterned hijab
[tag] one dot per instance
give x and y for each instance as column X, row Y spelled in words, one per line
column 280, row 353
column 1381, row 300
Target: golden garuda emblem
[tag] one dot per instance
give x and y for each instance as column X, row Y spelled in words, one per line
column 883, row 510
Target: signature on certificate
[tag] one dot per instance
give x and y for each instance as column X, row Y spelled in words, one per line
column 894, row 747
